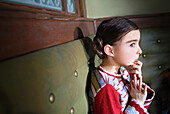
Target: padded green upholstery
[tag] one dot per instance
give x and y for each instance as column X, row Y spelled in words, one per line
column 155, row 43
column 27, row 81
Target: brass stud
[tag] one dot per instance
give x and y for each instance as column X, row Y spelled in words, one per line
column 76, row 73
column 72, row 111
column 159, row 67
column 51, row 98
column 158, row 41
column 88, row 62
column 144, row 55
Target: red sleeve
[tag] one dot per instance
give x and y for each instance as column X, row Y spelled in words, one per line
column 107, row 101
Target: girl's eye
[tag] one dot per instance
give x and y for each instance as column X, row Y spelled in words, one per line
column 132, row 45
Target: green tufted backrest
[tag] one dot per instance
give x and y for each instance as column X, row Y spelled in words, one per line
column 155, row 44
column 28, row 81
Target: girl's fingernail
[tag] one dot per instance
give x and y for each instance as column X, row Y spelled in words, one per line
column 131, row 67
column 135, row 61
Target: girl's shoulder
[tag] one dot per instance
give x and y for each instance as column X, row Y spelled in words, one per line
column 97, row 78
column 101, row 78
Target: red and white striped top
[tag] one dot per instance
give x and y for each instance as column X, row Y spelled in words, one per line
column 109, row 93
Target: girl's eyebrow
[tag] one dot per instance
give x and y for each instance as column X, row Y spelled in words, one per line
column 135, row 40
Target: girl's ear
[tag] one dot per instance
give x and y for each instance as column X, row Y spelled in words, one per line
column 108, row 49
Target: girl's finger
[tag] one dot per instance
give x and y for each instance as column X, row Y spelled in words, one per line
column 144, row 88
column 139, row 76
column 134, row 72
column 132, row 80
column 135, row 81
column 137, row 62
column 129, row 87
column 136, row 67
column 140, row 84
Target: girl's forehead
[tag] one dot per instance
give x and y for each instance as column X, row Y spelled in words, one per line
column 133, row 35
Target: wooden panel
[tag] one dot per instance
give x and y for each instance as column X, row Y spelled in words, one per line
column 145, row 21
column 159, row 20
column 19, row 36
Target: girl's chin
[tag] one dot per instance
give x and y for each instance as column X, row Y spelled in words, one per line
column 127, row 65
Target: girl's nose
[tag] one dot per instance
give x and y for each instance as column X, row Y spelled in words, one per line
column 139, row 51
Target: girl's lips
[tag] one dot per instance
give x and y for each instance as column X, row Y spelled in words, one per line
column 136, row 60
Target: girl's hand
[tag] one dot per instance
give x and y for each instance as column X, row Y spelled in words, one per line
column 137, row 89
column 136, row 68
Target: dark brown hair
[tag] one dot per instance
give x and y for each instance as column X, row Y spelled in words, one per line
column 110, row 31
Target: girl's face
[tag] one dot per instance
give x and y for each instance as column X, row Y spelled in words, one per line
column 127, row 50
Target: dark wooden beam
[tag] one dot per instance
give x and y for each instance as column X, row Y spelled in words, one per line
column 19, row 36
column 145, row 21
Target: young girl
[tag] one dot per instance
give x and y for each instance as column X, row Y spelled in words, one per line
column 115, row 90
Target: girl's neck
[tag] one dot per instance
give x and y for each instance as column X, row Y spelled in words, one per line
column 109, row 65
